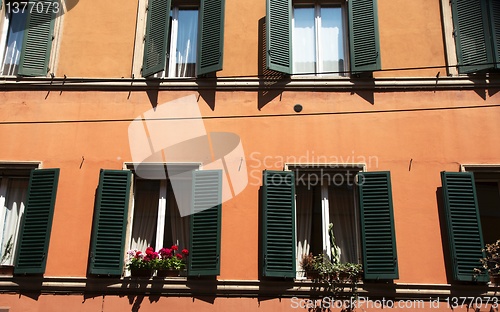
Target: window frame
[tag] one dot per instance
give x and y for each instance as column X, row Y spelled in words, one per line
column 53, row 50
column 317, row 6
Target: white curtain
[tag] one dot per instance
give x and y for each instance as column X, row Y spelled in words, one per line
column 13, row 210
column 343, row 217
column 304, row 212
column 179, row 225
column 304, row 38
column 186, row 43
column 145, row 214
column 14, row 42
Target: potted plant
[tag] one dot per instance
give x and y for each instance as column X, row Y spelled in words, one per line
column 308, row 266
column 171, row 261
column 142, row 264
column 7, row 269
column 491, row 262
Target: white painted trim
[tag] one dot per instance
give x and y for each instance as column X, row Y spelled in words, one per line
column 449, row 41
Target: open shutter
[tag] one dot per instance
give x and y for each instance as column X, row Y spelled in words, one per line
column 279, row 35
column 494, row 9
column 278, row 226
column 472, row 35
column 464, row 225
column 110, row 223
column 37, row 41
column 33, row 245
column 155, row 45
column 377, row 226
column 364, row 37
column 210, row 36
column 204, row 256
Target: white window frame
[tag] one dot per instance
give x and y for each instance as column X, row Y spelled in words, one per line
column 56, row 42
column 317, row 33
column 449, row 40
column 325, row 206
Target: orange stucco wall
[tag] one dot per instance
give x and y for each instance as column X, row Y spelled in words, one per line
column 432, row 140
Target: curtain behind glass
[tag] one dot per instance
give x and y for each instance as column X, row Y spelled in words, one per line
column 343, row 217
column 186, row 43
column 179, row 226
column 147, row 193
column 304, row 46
column 304, row 212
column 17, row 23
column 14, row 207
column 332, row 43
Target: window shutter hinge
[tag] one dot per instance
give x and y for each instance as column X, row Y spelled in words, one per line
column 53, row 37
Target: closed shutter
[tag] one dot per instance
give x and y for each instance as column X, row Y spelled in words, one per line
column 494, row 9
column 110, row 223
column 210, row 36
column 279, row 35
column 157, row 28
column 364, row 37
column 37, row 41
column 472, row 35
column 34, row 235
column 464, row 225
column 204, row 257
column 278, row 226
column 377, row 226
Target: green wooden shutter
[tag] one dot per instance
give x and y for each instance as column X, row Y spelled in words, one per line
column 472, row 36
column 364, row 36
column 155, row 45
column 204, row 256
column 494, row 10
column 464, row 225
column 37, row 41
column 34, row 235
column 377, row 226
column 210, row 36
column 110, row 223
column 279, row 35
column 278, row 226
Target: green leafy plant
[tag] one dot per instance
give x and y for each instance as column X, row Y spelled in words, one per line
column 171, row 258
column 7, row 253
column 491, row 262
column 139, row 260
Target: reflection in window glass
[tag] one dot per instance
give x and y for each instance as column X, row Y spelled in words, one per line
column 183, row 45
column 15, row 33
column 304, row 47
column 332, row 41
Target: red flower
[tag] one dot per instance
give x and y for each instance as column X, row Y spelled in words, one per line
column 165, row 253
column 175, row 247
column 138, row 254
column 185, row 251
column 149, row 251
column 179, row 256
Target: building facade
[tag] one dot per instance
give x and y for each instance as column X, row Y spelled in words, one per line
column 240, row 130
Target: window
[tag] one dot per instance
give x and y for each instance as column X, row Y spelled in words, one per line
column 27, row 37
column 154, row 220
column 27, row 199
column 475, row 28
column 318, row 39
column 300, row 204
column 310, row 37
column 472, row 207
column 183, row 38
column 325, row 197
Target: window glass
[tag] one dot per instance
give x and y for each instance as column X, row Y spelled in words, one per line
column 488, row 197
column 331, row 40
column 304, row 46
column 15, row 24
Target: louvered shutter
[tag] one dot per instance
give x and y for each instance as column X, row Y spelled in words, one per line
column 110, row 223
column 464, row 225
column 472, row 36
column 37, row 41
column 204, row 256
column 157, row 28
column 494, row 10
column 279, row 35
column 364, row 37
column 34, row 235
column 377, row 226
column 278, row 226
column 210, row 36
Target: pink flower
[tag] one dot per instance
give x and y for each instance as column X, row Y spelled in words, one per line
column 179, row 256
column 149, row 251
column 165, row 253
column 185, row 251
